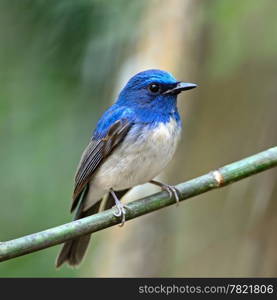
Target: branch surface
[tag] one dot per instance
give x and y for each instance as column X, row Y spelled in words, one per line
column 212, row 180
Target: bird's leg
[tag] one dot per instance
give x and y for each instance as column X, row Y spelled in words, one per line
column 172, row 191
column 121, row 208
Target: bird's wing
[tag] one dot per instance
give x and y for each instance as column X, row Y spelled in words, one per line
column 95, row 153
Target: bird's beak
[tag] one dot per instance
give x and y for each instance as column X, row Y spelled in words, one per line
column 181, row 86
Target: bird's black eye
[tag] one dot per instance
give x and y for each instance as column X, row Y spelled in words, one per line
column 154, row 88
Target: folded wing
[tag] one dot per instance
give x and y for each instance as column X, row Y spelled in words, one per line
column 95, row 154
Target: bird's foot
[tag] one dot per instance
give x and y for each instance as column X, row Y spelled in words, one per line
column 172, row 191
column 121, row 209
column 121, row 212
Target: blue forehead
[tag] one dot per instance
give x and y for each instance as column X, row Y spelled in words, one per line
column 148, row 76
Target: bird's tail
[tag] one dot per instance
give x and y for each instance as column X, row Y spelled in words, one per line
column 74, row 250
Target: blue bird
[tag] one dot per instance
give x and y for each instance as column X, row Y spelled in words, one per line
column 133, row 142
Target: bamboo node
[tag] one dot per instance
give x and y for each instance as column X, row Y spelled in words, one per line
column 218, row 177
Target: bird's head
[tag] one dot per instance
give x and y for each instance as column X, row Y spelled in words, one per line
column 153, row 89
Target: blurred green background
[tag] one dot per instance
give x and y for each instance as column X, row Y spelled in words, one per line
column 63, row 62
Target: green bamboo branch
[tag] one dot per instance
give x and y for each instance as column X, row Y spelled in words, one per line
column 212, row 180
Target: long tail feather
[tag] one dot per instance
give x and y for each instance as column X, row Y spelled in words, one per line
column 74, row 251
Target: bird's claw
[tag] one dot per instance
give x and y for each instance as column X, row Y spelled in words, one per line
column 121, row 212
column 173, row 192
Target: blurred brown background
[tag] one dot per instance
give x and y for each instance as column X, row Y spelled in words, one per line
column 63, row 62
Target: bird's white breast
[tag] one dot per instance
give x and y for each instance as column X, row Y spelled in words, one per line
column 141, row 157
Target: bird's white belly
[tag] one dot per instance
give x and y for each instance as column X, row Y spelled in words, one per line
column 137, row 160
column 142, row 159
